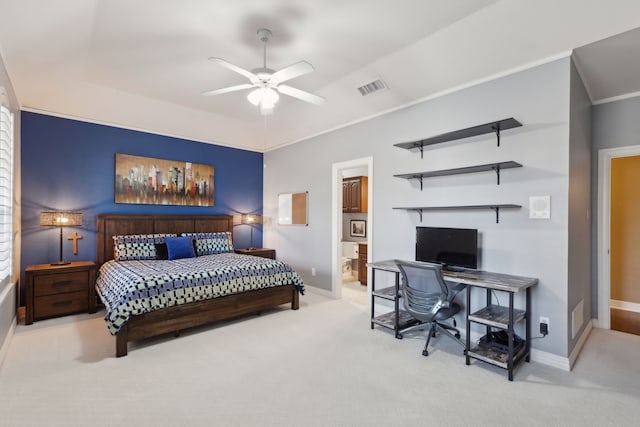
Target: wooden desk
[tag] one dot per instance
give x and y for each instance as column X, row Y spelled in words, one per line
column 491, row 315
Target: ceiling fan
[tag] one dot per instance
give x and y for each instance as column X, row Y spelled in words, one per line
column 267, row 83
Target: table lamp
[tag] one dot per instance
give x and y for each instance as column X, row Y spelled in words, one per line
column 60, row 219
column 251, row 219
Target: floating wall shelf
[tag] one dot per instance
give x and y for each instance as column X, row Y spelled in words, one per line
column 495, row 207
column 492, row 127
column 497, row 167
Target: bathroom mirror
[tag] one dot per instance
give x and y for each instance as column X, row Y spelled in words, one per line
column 292, row 208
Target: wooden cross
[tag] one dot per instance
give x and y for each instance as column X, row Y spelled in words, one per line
column 75, row 238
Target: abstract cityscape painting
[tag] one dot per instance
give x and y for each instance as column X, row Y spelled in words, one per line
column 150, row 181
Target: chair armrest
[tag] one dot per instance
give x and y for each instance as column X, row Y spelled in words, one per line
column 454, row 288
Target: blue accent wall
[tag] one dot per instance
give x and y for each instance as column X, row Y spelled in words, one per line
column 70, row 165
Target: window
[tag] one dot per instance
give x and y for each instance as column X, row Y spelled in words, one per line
column 6, row 194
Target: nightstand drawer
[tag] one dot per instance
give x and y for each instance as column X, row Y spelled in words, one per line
column 55, row 290
column 55, row 305
column 60, row 283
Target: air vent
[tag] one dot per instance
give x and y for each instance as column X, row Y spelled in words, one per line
column 374, row 86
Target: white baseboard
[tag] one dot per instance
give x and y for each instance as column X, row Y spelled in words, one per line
column 578, row 347
column 319, row 291
column 8, row 313
column 618, row 305
column 4, row 348
column 624, row 305
column 550, row 359
column 560, row 362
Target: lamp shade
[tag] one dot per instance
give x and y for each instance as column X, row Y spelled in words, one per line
column 60, row 219
column 251, row 219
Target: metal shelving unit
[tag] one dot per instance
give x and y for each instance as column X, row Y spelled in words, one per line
column 398, row 319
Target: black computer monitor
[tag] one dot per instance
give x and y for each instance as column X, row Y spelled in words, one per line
column 451, row 247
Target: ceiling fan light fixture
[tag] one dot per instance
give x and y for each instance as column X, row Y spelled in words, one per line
column 255, row 96
column 270, row 97
column 263, row 96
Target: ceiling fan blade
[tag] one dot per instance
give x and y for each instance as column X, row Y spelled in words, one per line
column 300, row 94
column 227, row 89
column 292, row 71
column 232, row 67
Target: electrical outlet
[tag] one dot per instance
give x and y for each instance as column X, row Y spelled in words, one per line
column 544, row 325
column 313, row 271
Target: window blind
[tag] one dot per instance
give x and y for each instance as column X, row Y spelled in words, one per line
column 6, row 193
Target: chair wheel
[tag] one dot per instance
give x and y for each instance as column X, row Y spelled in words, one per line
column 425, row 353
column 457, row 335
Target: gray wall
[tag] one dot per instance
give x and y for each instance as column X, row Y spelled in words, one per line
column 579, row 250
column 614, row 125
column 538, row 97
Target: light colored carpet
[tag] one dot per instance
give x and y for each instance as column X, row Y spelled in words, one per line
column 319, row 366
column 356, row 294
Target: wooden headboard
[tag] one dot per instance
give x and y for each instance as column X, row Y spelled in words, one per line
column 111, row 225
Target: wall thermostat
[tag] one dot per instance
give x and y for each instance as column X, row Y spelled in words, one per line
column 540, row 207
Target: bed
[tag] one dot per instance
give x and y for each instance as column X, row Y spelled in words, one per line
column 273, row 283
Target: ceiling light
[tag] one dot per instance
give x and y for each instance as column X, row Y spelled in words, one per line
column 265, row 97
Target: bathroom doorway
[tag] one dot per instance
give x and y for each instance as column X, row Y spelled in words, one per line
column 352, row 227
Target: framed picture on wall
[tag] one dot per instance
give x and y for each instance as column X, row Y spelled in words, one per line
column 358, row 228
column 151, row 181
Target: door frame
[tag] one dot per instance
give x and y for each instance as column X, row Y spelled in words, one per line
column 604, row 229
column 336, row 219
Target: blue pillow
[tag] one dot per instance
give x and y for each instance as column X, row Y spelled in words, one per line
column 179, row 247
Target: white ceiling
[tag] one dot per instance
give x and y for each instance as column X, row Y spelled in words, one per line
column 142, row 64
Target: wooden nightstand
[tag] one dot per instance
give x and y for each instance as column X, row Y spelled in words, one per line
column 57, row 290
column 261, row 252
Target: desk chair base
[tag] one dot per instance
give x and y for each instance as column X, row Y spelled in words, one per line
column 433, row 327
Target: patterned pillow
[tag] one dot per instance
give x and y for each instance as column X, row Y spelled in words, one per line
column 137, row 246
column 212, row 243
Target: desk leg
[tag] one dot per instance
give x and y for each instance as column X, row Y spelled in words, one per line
column 528, row 325
column 487, row 329
column 510, row 355
column 373, row 289
column 397, row 307
column 468, row 337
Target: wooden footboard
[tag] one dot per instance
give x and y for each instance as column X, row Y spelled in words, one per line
column 177, row 318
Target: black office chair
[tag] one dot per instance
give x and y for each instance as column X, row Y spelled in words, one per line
column 429, row 299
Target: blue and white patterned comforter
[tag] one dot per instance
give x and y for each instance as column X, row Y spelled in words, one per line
column 129, row 288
